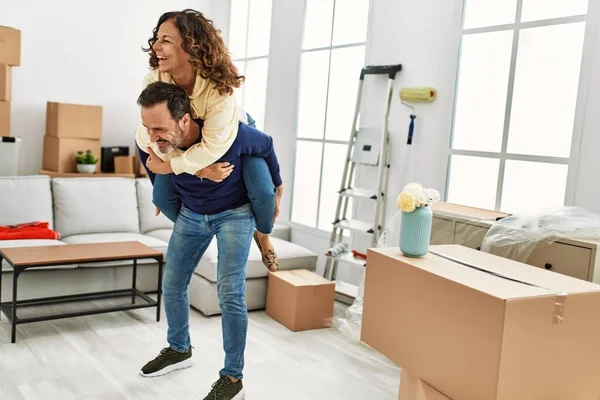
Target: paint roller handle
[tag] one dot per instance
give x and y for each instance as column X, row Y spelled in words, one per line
column 411, row 129
column 390, row 70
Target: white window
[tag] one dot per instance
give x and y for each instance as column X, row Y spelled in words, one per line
column 333, row 54
column 249, row 42
column 516, row 102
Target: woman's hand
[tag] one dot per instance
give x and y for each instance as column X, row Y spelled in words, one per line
column 278, row 195
column 156, row 165
column 216, row 172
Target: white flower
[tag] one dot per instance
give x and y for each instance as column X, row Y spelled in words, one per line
column 413, row 188
column 421, row 197
column 432, row 195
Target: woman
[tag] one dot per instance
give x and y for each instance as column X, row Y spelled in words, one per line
column 186, row 49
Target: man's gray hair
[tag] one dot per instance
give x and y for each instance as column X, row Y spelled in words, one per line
column 176, row 98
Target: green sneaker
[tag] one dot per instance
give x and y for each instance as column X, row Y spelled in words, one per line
column 225, row 389
column 168, row 360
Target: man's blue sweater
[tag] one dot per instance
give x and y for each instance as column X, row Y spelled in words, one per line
column 208, row 197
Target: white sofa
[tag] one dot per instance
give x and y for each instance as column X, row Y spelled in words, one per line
column 92, row 210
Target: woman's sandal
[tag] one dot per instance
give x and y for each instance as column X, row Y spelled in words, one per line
column 269, row 258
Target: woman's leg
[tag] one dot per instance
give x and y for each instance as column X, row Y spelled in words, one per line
column 261, row 193
column 165, row 196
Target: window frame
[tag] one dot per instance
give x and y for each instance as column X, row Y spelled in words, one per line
column 245, row 59
column 323, row 141
column 572, row 161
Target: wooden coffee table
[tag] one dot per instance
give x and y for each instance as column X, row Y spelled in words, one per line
column 22, row 258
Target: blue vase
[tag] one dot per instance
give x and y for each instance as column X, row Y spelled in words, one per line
column 415, row 232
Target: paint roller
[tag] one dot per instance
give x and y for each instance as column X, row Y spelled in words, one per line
column 415, row 95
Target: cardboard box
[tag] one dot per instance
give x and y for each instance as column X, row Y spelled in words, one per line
column 4, row 118
column 141, row 170
column 124, row 165
column 74, row 121
column 59, row 153
column 412, row 388
column 5, row 82
column 10, row 46
column 477, row 326
column 300, row 299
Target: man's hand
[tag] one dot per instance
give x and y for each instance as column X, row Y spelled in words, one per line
column 156, row 165
column 216, row 172
column 277, row 201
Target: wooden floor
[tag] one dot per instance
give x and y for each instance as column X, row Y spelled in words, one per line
column 99, row 357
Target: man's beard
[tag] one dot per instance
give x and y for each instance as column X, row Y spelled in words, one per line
column 167, row 147
column 176, row 141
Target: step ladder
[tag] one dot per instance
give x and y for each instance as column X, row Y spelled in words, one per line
column 367, row 146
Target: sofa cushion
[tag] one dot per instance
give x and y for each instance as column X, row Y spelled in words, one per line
column 148, row 220
column 25, row 199
column 282, row 232
column 291, row 256
column 95, row 205
column 162, row 234
column 5, row 266
column 118, row 237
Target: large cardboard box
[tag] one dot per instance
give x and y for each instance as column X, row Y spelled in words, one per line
column 412, row 388
column 59, row 153
column 10, row 46
column 5, row 82
column 74, row 121
column 477, row 326
column 4, row 118
column 300, row 299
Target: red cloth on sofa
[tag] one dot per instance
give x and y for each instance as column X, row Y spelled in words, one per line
column 33, row 230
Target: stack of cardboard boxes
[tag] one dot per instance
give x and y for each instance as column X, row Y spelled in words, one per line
column 70, row 128
column 467, row 325
column 10, row 56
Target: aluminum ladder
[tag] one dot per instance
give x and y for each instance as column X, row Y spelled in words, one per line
column 367, row 146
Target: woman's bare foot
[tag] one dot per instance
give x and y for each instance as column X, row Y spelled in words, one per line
column 269, row 257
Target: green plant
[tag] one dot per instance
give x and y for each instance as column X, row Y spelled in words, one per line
column 87, row 158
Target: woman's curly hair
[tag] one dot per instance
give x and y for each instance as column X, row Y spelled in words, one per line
column 203, row 42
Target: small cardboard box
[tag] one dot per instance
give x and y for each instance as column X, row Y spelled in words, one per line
column 73, row 121
column 4, row 118
column 59, row 153
column 123, row 165
column 459, row 315
column 412, row 388
column 300, row 299
column 10, row 46
column 5, row 82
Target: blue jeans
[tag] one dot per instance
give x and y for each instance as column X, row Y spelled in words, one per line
column 191, row 236
column 259, row 184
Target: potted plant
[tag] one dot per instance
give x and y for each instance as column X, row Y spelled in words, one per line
column 86, row 162
column 415, row 231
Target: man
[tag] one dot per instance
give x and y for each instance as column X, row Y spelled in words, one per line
column 209, row 209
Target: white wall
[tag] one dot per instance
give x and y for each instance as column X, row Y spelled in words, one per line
column 92, row 56
column 424, row 39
